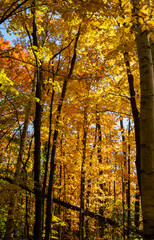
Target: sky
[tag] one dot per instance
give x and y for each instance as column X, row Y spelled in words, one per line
column 6, row 35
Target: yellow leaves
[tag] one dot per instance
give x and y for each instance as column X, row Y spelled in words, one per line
column 146, row 23
column 124, row 21
column 140, row 21
column 123, row 2
column 41, row 10
column 42, row 53
column 145, row 10
column 127, row 20
column 6, row 84
column 40, row 29
column 144, row 19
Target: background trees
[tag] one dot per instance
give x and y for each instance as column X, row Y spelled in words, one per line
column 70, row 103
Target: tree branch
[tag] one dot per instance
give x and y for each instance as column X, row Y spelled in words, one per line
column 6, row 16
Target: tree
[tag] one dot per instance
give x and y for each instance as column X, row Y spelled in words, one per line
column 145, row 55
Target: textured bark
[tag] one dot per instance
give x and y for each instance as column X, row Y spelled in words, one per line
column 37, row 164
column 37, row 142
column 48, row 149
column 146, row 131
column 136, row 119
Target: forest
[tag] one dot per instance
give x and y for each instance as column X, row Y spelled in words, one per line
column 76, row 119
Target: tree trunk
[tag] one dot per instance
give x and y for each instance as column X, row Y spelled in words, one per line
column 123, row 168
column 137, row 209
column 82, row 194
column 136, row 119
column 48, row 148
column 37, row 165
column 37, row 142
column 146, row 131
column 128, row 187
column 99, row 153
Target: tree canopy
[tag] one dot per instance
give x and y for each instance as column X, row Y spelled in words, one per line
column 76, row 125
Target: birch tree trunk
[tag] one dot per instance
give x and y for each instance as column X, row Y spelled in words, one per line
column 146, row 131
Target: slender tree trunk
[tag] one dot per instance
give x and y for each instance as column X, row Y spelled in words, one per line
column 82, row 194
column 60, row 185
column 99, row 144
column 114, row 190
column 128, row 188
column 135, row 113
column 87, row 229
column 123, row 205
column 37, row 164
column 137, row 136
column 137, row 209
column 123, row 168
column 59, row 207
column 37, row 140
column 48, row 148
column 27, row 216
column 146, row 131
column 49, row 138
column 64, row 199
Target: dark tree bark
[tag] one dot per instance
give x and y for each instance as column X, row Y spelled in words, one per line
column 99, row 155
column 128, row 188
column 26, row 230
column 37, row 140
column 48, row 147
column 123, row 168
column 137, row 209
column 136, row 119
